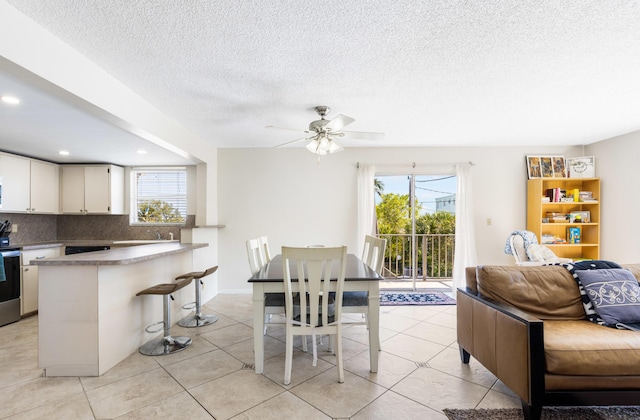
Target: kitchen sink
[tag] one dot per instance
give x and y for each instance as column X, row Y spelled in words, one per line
column 145, row 241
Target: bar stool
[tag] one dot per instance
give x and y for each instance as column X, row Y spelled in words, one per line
column 198, row 319
column 166, row 344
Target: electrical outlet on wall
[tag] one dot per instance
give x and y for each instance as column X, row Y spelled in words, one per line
column 14, row 228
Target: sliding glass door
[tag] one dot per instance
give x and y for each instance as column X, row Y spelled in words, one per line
column 416, row 215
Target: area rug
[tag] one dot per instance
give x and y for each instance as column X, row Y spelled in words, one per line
column 548, row 413
column 415, row 298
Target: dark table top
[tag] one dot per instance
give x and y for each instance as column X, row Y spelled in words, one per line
column 356, row 270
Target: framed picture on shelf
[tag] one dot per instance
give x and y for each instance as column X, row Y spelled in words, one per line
column 581, row 167
column 533, row 167
column 559, row 170
column 546, row 167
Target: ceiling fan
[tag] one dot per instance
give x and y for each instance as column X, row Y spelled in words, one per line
column 322, row 133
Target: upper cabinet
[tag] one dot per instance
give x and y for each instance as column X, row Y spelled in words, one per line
column 28, row 185
column 92, row 189
column 45, row 187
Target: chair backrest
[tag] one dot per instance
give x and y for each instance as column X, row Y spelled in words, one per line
column 518, row 249
column 373, row 252
column 518, row 244
column 526, row 250
column 255, row 256
column 264, row 249
column 314, row 270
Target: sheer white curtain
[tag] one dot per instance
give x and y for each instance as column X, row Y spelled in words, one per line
column 465, row 253
column 366, row 203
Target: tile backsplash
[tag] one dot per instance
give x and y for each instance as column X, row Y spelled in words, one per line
column 33, row 228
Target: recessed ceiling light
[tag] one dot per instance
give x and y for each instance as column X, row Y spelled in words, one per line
column 141, row 152
column 10, row 100
column 63, row 153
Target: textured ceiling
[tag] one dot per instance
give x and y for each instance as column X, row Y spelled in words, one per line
column 433, row 73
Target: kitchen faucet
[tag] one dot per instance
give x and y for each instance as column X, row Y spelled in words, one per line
column 157, row 233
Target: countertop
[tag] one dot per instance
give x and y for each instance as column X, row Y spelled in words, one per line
column 117, row 255
column 74, row 242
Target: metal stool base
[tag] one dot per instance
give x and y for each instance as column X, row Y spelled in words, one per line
column 163, row 345
column 193, row 321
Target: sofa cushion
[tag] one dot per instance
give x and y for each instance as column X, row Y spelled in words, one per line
column 585, row 348
column 614, row 293
column 546, row 292
column 573, row 268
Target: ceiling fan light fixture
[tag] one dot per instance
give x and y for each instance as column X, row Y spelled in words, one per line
column 314, row 147
column 323, row 145
column 334, row 147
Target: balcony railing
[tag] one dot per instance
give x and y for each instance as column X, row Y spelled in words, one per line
column 433, row 257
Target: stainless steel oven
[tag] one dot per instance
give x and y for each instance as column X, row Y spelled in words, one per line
column 9, row 286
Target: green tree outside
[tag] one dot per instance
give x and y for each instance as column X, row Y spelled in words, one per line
column 393, row 213
column 439, row 222
column 394, row 217
column 158, row 211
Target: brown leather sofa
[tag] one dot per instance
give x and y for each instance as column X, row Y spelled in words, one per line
column 526, row 324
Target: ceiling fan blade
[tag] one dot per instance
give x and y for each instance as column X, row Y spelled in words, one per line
column 292, row 141
column 362, row 135
column 285, row 128
column 338, row 122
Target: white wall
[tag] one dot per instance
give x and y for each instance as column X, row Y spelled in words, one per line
column 617, row 159
column 286, row 195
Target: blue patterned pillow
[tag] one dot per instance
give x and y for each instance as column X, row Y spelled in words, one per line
column 615, row 294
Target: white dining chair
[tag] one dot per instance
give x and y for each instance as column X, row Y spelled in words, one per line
column 263, row 241
column 315, row 269
column 358, row 302
column 273, row 302
column 373, row 252
column 255, row 257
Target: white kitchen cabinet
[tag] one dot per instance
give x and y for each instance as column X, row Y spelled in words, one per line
column 28, row 185
column 14, row 174
column 29, row 277
column 29, row 289
column 94, row 189
column 45, row 187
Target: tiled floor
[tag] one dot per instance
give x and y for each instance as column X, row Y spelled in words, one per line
column 420, row 374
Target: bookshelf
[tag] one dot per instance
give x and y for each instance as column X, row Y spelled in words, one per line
column 538, row 209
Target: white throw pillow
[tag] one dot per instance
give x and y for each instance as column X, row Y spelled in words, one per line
column 540, row 253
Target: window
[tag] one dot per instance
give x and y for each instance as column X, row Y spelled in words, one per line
column 158, row 196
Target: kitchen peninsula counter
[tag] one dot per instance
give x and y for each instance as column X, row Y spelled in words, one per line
column 89, row 317
column 121, row 255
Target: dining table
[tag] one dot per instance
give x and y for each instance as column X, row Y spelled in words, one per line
column 358, row 277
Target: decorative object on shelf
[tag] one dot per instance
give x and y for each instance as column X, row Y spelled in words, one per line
column 581, row 167
column 580, row 217
column 546, row 167
column 573, row 235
